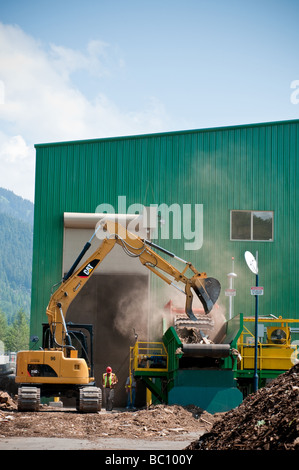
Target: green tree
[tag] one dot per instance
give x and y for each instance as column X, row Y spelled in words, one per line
column 18, row 333
column 3, row 329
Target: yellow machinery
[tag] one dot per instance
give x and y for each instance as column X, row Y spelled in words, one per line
column 58, row 369
column 276, row 352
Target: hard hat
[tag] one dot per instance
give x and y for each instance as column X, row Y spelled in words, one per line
column 108, row 370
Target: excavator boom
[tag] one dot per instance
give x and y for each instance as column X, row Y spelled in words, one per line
column 206, row 288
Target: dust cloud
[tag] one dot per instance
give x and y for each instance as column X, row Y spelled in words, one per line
column 217, row 334
column 132, row 313
column 137, row 315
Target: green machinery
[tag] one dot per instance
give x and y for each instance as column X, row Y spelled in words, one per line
column 214, row 377
column 184, row 374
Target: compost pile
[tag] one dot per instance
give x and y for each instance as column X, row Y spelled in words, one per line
column 265, row 420
column 189, row 335
column 156, row 422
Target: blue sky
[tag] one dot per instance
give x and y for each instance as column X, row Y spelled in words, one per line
column 74, row 70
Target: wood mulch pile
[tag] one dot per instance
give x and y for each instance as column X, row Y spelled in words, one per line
column 265, row 420
column 159, row 421
column 6, row 402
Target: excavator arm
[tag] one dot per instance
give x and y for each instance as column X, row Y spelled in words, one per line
column 207, row 289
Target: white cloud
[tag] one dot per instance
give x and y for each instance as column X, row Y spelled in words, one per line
column 17, row 165
column 14, row 149
column 94, row 60
column 40, row 103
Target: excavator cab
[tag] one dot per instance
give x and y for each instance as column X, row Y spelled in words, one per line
column 80, row 338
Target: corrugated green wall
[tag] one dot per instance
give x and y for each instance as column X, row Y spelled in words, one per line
column 254, row 167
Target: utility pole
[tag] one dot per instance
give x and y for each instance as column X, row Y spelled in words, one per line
column 252, row 263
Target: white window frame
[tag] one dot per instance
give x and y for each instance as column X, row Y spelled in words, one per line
column 252, row 212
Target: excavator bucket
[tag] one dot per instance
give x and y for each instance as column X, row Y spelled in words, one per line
column 207, row 290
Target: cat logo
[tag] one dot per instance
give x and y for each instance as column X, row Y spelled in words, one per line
column 87, row 270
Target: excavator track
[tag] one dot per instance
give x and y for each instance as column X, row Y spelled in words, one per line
column 89, row 400
column 28, row 398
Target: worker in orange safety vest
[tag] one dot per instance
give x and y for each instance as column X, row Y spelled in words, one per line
column 109, row 382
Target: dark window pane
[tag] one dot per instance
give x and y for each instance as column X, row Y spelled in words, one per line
column 262, row 225
column 241, row 225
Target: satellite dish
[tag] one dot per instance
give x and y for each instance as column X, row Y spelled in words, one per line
column 251, row 262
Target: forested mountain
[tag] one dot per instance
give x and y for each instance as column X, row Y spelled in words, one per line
column 16, row 206
column 16, row 235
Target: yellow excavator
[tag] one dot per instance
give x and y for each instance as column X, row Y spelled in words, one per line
column 62, row 367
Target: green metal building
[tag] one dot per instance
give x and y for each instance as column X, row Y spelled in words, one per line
column 243, row 178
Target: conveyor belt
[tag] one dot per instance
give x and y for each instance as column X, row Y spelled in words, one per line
column 206, row 350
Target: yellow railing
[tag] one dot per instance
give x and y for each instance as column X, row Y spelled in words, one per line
column 270, row 356
column 148, row 356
